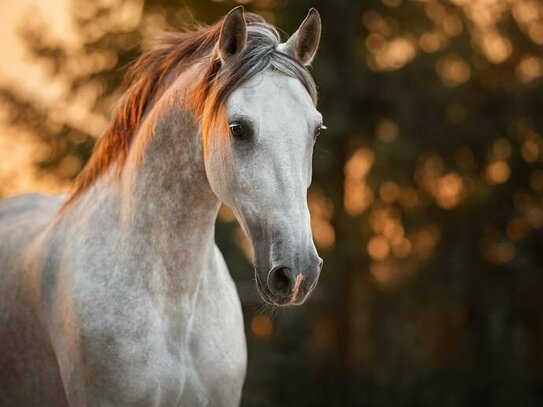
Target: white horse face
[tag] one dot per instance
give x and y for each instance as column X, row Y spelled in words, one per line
column 262, row 170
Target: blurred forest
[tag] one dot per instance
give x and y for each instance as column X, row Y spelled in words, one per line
column 426, row 200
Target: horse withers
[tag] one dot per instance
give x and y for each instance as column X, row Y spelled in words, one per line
column 117, row 294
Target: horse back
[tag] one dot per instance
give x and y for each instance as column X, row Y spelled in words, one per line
column 22, row 219
column 27, row 214
column 28, row 369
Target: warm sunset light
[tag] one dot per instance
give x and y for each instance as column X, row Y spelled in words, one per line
column 163, row 172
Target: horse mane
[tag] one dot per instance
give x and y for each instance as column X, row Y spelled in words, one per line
column 171, row 55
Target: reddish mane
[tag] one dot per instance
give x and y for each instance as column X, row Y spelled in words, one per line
column 174, row 52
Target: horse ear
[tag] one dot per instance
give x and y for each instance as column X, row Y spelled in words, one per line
column 233, row 35
column 303, row 44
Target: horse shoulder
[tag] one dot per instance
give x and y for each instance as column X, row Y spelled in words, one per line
column 99, row 325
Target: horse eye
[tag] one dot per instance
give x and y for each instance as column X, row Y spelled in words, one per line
column 237, row 130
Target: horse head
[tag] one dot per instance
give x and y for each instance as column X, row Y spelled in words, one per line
column 259, row 161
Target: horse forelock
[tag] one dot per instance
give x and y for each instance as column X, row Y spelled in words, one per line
column 171, row 55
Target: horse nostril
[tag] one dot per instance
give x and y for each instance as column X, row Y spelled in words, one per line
column 280, row 281
column 320, row 264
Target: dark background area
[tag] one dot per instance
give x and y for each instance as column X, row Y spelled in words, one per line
column 426, row 199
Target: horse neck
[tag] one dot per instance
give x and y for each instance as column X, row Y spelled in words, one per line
column 167, row 207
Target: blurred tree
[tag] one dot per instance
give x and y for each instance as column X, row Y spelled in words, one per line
column 426, row 201
column 89, row 64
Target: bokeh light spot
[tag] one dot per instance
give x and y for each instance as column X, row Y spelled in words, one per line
column 386, row 130
column 389, row 191
column 378, row 248
column 261, row 326
column 453, row 70
column 498, row 172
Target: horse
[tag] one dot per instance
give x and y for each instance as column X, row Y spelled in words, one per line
column 116, row 294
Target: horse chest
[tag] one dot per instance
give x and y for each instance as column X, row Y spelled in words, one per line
column 205, row 353
column 217, row 345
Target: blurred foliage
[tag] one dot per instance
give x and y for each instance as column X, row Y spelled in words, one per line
column 426, row 200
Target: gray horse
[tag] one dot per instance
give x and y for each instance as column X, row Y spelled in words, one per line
column 117, row 295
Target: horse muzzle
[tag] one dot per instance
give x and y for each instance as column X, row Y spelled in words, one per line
column 288, row 284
